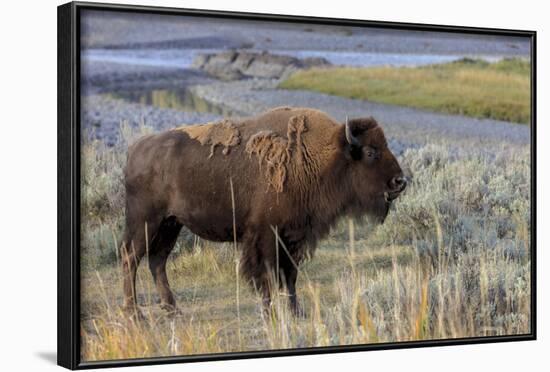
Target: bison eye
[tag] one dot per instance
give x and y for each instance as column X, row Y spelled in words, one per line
column 370, row 152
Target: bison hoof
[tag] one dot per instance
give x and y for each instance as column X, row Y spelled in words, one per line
column 133, row 314
column 170, row 309
column 298, row 311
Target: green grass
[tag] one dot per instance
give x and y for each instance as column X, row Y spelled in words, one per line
column 469, row 87
column 452, row 260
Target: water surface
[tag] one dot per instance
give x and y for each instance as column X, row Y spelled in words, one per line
column 176, row 99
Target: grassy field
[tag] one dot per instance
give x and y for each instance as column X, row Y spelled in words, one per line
column 452, row 260
column 475, row 88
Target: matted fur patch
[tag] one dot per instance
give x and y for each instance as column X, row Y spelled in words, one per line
column 224, row 133
column 275, row 152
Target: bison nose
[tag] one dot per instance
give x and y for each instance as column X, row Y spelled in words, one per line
column 398, row 184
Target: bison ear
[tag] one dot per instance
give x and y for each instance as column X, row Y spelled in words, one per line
column 353, row 131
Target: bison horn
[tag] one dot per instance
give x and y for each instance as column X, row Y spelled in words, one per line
column 352, row 140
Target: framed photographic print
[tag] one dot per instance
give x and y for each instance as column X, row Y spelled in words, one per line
column 236, row 185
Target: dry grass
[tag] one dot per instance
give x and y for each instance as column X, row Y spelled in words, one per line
column 468, row 87
column 452, row 260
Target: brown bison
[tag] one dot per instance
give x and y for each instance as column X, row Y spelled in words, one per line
column 293, row 171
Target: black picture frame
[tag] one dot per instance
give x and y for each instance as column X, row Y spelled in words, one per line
column 68, row 280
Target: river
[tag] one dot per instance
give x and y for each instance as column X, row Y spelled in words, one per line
column 183, row 58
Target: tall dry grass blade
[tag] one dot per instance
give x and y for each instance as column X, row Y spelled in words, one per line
column 352, row 247
column 397, row 295
column 420, row 329
column 148, row 290
column 115, row 242
column 173, row 344
column 233, row 213
column 238, row 303
column 367, row 324
column 277, row 269
column 104, row 293
column 236, row 263
column 439, row 237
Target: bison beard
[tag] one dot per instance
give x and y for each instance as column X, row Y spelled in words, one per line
column 293, row 171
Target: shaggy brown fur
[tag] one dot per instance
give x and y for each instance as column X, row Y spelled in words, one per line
column 277, row 152
column 293, row 170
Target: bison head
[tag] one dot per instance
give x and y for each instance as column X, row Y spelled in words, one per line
column 375, row 175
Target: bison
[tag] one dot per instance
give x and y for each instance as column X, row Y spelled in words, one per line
column 289, row 171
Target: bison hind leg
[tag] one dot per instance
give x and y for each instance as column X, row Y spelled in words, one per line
column 134, row 247
column 161, row 246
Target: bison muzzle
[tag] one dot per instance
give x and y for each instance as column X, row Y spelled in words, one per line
column 293, row 171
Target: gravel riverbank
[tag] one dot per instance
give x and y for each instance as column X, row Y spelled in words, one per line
column 101, row 117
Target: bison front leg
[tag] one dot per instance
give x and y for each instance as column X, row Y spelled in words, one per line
column 263, row 265
column 289, row 274
column 257, row 262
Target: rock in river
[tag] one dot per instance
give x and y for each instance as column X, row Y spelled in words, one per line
column 236, row 65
